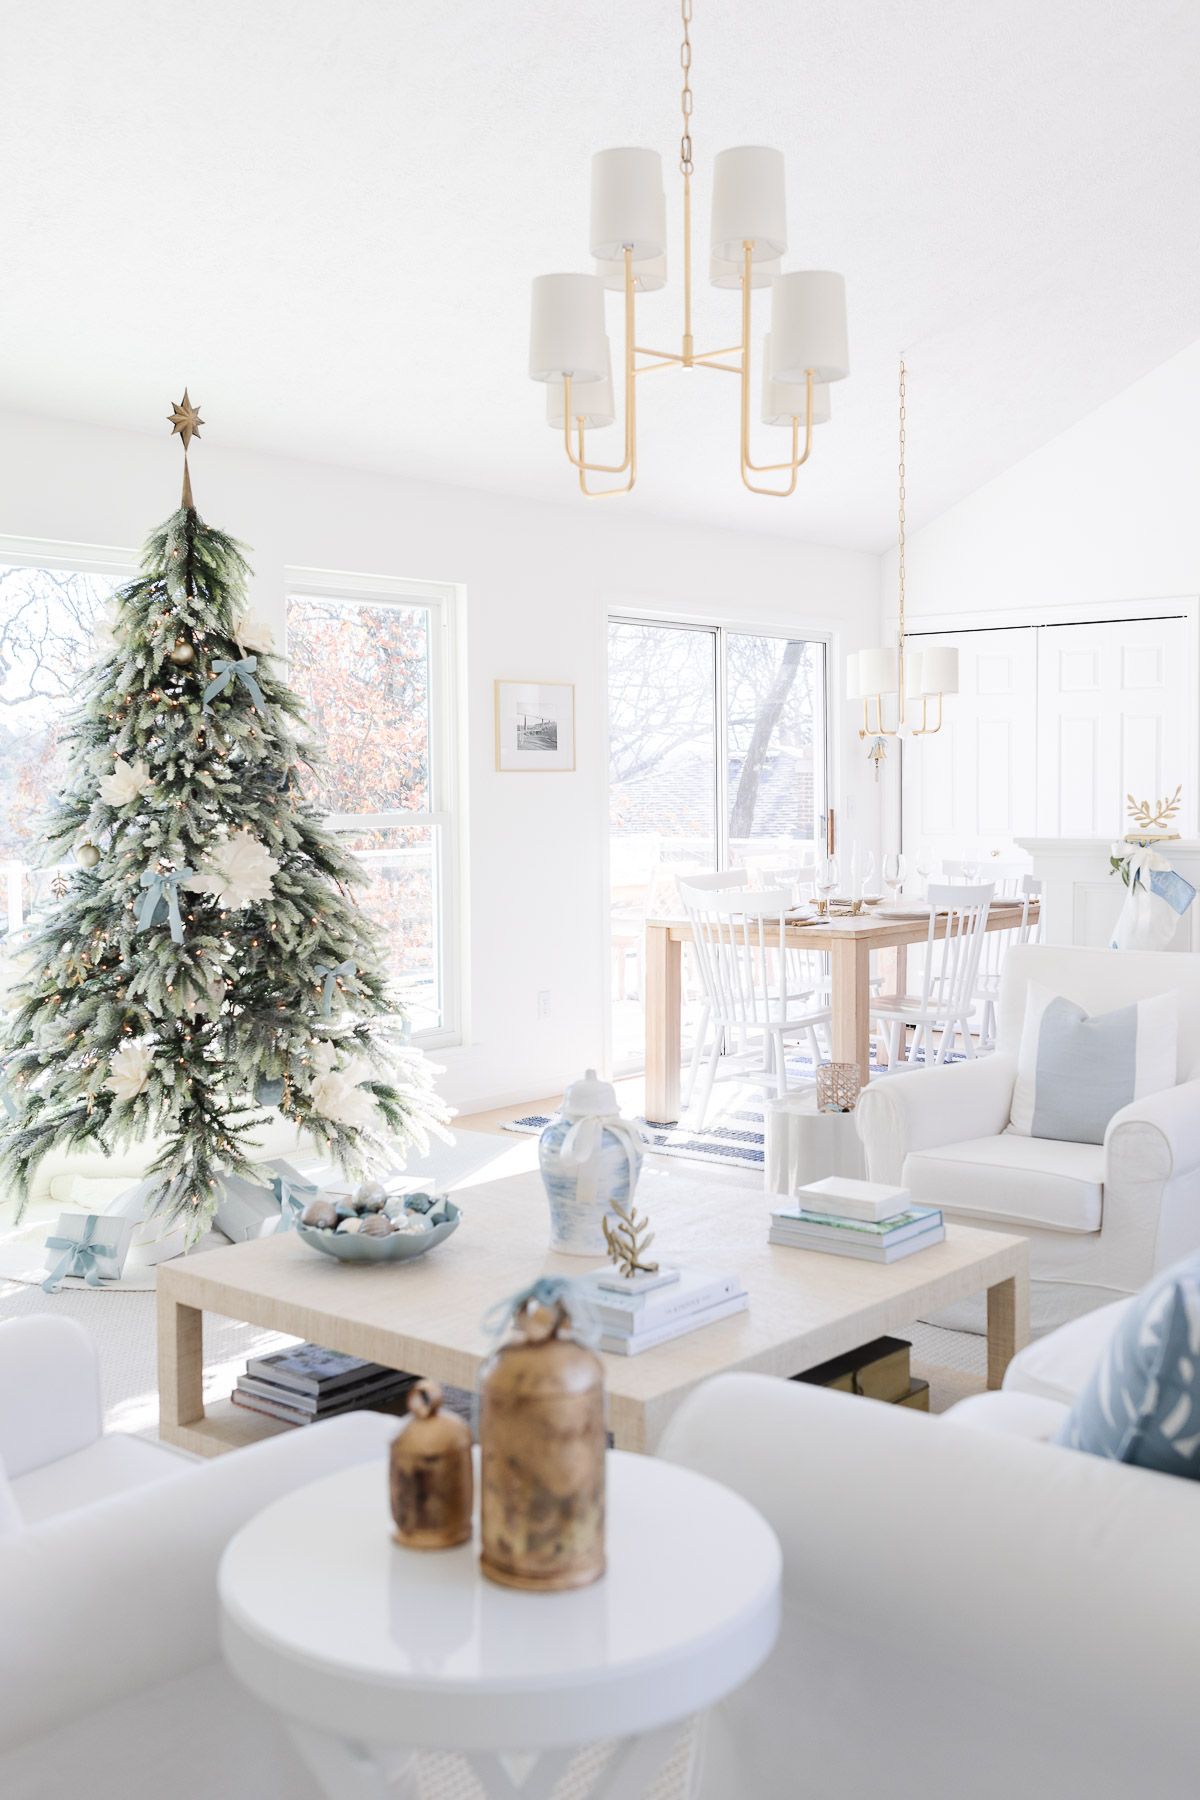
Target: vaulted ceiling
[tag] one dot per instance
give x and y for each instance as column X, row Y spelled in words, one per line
column 323, row 215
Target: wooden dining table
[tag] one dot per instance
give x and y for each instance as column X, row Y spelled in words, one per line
column 849, row 942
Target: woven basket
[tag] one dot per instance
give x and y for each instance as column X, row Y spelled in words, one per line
column 838, row 1087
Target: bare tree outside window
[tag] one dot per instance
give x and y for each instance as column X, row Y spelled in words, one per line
column 47, row 622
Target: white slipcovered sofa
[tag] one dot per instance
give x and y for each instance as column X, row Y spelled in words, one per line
column 968, row 1609
column 111, row 1680
column 1100, row 1218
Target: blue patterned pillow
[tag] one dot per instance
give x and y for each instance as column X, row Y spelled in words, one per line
column 1142, row 1404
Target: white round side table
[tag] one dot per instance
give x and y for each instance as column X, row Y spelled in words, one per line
column 374, row 1653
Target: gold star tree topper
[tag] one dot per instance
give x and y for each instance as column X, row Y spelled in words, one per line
column 185, row 419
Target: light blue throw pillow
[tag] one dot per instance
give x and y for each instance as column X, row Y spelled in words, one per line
column 1142, row 1404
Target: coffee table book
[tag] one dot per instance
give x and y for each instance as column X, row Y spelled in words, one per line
column 848, row 1198
column 691, row 1291
column 623, row 1343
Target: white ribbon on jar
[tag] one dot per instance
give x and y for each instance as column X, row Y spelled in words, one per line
column 584, row 1140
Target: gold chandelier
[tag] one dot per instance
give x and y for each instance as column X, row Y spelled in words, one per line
column 804, row 352
column 883, row 677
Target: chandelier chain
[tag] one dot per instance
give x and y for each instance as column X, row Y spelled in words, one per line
column 900, row 558
column 686, row 165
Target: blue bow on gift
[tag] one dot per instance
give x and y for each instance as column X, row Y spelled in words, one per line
column 162, row 896
column 329, row 972
column 79, row 1259
column 224, row 670
column 293, row 1197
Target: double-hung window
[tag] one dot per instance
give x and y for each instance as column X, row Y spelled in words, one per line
column 52, row 597
column 374, row 660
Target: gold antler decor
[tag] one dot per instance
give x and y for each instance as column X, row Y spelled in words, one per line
column 1151, row 820
column 629, row 1241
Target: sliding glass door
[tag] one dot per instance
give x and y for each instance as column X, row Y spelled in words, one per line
column 717, row 760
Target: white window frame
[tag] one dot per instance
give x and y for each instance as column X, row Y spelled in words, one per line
column 442, row 601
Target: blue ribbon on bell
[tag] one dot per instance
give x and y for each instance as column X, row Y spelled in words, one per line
column 293, row 1197
column 224, row 668
column 549, row 1291
column 329, row 974
column 79, row 1259
column 161, row 900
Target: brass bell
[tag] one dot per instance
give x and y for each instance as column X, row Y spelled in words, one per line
column 542, row 1447
column 431, row 1475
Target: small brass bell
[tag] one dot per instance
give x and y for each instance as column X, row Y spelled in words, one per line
column 542, row 1447
column 431, row 1475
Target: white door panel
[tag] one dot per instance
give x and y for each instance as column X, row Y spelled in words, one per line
column 975, row 781
column 1113, row 703
column 1053, row 727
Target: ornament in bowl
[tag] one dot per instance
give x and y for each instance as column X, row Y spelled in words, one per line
column 590, row 1159
column 365, row 1226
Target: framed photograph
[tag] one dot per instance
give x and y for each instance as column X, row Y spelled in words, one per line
column 535, row 726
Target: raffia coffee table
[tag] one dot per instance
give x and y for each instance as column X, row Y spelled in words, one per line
column 425, row 1316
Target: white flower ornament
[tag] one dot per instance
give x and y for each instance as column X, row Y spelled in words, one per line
column 129, row 1070
column 127, row 782
column 236, row 872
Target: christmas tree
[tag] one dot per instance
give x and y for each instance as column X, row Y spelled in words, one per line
column 205, row 957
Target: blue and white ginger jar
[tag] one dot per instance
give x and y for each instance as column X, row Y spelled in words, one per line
column 590, row 1157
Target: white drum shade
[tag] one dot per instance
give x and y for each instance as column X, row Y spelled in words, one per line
column 592, row 401
column 877, row 672
column 566, row 334
column 912, row 671
column 748, row 203
column 628, row 204
column 724, row 274
column 808, row 326
column 853, row 691
column 939, row 670
column 783, row 401
column 648, row 276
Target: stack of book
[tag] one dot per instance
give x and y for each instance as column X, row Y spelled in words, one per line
column 867, row 1219
column 307, row 1383
column 680, row 1301
column 880, row 1370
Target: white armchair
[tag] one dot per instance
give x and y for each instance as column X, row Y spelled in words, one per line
column 967, row 1610
column 1100, row 1218
column 111, row 1680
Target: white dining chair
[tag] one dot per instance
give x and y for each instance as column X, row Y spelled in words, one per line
column 996, row 946
column 946, row 1004
column 754, row 1006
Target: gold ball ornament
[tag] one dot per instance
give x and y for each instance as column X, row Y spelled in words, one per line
column 87, row 855
column 182, row 653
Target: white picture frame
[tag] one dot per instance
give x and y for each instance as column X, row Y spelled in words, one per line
column 535, row 727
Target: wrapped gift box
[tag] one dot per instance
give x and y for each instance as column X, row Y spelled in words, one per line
column 154, row 1238
column 89, row 1246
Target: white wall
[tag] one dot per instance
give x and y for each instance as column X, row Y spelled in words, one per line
column 538, row 581
column 1106, row 512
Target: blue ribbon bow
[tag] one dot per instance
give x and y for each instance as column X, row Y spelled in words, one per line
column 162, row 897
column 79, row 1259
column 293, row 1197
column 329, row 972
column 549, row 1291
column 224, row 669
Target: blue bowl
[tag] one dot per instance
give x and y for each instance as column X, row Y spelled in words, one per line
column 401, row 1246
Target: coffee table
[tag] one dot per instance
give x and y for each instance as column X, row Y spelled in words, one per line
column 425, row 1316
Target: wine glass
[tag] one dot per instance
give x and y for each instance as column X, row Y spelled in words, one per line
column 827, row 881
column 925, row 868
column 970, row 867
column 870, row 881
column 893, row 874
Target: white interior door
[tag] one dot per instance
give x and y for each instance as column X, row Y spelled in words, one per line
column 973, row 785
column 1114, row 704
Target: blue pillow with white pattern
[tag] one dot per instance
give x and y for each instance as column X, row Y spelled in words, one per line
column 1142, row 1404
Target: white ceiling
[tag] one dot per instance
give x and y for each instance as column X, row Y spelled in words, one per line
column 323, row 215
